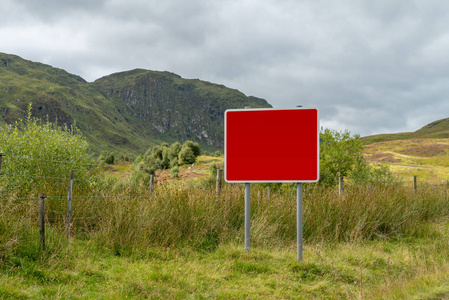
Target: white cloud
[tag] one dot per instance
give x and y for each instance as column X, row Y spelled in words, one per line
column 369, row 66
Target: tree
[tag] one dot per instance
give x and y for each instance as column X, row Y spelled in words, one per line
column 186, row 156
column 339, row 152
column 341, row 155
column 194, row 146
column 175, row 148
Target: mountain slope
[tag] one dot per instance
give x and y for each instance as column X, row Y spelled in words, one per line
column 438, row 130
column 125, row 112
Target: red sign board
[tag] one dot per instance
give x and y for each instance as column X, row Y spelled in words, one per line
column 272, row 145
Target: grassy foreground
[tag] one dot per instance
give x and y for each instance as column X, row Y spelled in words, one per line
column 183, row 241
column 408, row 268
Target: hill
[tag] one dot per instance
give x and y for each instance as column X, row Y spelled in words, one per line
column 438, row 129
column 423, row 153
column 125, row 112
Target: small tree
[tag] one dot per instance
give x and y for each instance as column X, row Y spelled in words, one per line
column 186, row 156
column 341, row 155
column 194, row 146
column 175, row 148
column 107, row 158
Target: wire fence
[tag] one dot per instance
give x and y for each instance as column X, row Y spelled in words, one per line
column 90, row 195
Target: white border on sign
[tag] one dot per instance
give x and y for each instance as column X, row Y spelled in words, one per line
column 268, row 181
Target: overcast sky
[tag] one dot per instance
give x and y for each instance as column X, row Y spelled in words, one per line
column 369, row 66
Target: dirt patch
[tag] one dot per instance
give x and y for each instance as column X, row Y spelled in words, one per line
column 426, row 150
column 163, row 176
column 382, row 157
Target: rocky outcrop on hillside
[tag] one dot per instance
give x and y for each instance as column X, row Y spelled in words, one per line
column 125, row 112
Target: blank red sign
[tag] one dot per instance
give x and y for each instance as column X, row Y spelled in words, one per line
column 272, row 145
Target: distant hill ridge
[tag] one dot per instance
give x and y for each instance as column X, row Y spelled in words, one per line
column 438, row 129
column 124, row 112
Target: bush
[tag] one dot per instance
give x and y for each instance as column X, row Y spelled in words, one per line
column 157, row 157
column 175, row 148
column 138, row 159
column 107, row 158
column 124, row 158
column 186, row 156
column 38, row 155
column 174, row 172
column 164, row 156
column 194, row 146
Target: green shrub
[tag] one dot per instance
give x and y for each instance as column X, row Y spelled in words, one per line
column 174, row 162
column 186, row 156
column 175, row 148
column 195, row 147
column 174, row 172
column 39, row 156
column 124, row 158
column 138, row 159
column 107, row 158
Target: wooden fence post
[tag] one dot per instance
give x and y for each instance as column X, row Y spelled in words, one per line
column 268, row 193
column 340, row 185
column 42, row 220
column 414, row 183
column 151, row 183
column 218, row 182
column 69, row 204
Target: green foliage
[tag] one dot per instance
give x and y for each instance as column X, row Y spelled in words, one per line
column 138, row 159
column 157, row 157
column 174, row 172
column 166, row 156
column 186, row 156
column 36, row 153
column 174, row 162
column 124, row 158
column 195, row 147
column 107, row 158
column 341, row 155
column 213, row 170
column 175, row 148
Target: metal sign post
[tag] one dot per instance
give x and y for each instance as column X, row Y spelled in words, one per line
column 247, row 215
column 299, row 220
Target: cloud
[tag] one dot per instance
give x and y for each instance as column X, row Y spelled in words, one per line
column 369, row 66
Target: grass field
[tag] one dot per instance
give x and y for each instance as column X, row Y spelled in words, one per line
column 405, row 268
column 426, row 158
column 183, row 241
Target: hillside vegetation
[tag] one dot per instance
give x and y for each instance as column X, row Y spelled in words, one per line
column 436, row 130
column 423, row 153
column 125, row 112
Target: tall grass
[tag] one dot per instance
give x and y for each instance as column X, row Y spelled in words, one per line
column 125, row 218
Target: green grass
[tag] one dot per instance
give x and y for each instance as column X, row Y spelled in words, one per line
column 426, row 158
column 395, row 269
